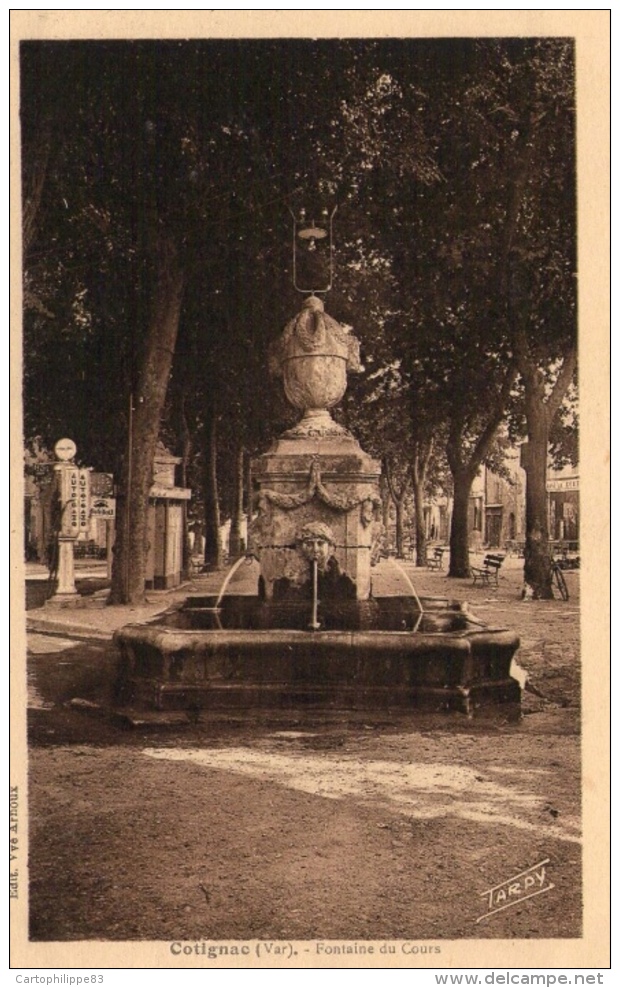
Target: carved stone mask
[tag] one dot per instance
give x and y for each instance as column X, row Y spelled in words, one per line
column 316, row 542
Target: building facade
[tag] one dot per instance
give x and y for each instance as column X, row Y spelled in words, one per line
column 496, row 512
column 497, row 506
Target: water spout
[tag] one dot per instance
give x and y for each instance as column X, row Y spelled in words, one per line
column 413, row 591
column 314, row 622
column 231, row 572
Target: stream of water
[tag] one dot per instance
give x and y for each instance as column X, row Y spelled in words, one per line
column 414, row 592
column 231, row 572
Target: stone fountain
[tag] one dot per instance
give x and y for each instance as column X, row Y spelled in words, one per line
column 316, row 473
column 314, row 635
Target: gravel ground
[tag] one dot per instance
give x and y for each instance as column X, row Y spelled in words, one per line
column 299, row 827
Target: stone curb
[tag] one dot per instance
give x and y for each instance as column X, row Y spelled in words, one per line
column 79, row 632
column 47, row 626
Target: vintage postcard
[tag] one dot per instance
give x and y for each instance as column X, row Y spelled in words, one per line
column 310, row 362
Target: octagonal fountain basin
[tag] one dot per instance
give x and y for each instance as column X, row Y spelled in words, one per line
column 381, row 653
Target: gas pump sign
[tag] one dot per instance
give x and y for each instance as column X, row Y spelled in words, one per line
column 75, row 498
column 83, row 499
column 69, row 485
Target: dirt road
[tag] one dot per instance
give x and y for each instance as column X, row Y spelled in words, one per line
column 339, row 827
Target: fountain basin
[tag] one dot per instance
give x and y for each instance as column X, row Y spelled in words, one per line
column 196, row 659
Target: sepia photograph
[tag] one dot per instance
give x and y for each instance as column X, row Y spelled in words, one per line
column 310, row 505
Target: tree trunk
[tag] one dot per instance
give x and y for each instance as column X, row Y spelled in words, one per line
column 399, row 505
column 419, row 468
column 386, row 500
column 235, row 547
column 131, row 549
column 250, row 499
column 464, row 469
column 398, row 499
column 540, row 409
column 186, row 452
column 537, row 566
column 214, row 554
column 459, row 535
column 35, row 171
column 420, row 528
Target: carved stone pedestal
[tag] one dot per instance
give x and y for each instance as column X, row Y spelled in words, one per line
column 302, row 481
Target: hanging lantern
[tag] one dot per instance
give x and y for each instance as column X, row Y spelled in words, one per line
column 306, row 233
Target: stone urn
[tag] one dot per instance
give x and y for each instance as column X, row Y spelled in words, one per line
column 313, row 356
